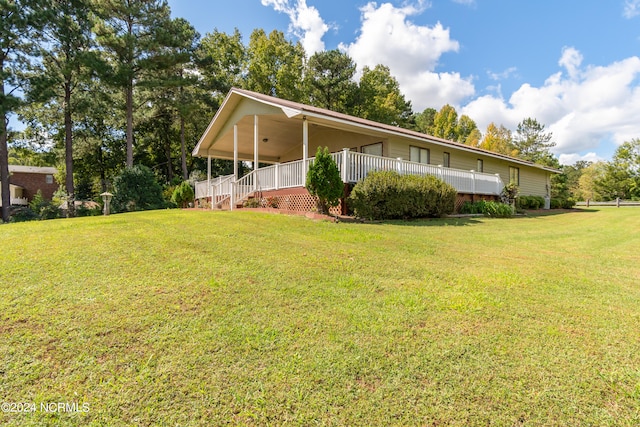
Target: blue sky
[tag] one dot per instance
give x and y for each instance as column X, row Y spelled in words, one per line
column 573, row 65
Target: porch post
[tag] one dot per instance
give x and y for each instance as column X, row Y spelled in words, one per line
column 255, row 142
column 209, row 189
column 498, row 187
column 345, row 164
column 305, row 144
column 235, row 153
column 473, row 179
column 255, row 151
column 277, row 183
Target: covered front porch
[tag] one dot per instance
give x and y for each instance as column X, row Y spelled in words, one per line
column 229, row 192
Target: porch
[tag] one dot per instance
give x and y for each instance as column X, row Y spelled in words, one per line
column 227, row 192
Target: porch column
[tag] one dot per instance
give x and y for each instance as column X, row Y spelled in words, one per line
column 345, row 165
column 473, row 181
column 209, row 189
column 305, row 144
column 235, row 153
column 498, row 186
column 255, row 142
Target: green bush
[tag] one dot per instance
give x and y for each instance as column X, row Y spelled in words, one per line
column 487, row 208
column 389, row 195
column 43, row 208
column 22, row 213
column 83, row 210
column 183, row 194
column 136, row 189
column 530, row 202
column 324, row 180
column 560, row 203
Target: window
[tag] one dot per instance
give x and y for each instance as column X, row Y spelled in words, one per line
column 49, row 179
column 514, row 175
column 373, row 149
column 480, row 166
column 446, row 160
column 419, row 155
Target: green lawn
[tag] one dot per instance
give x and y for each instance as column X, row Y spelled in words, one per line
column 210, row 318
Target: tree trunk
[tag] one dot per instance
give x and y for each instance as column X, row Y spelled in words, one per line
column 183, row 150
column 4, row 159
column 129, row 107
column 68, row 152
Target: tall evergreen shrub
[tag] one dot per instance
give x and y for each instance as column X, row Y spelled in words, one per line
column 324, row 180
column 136, row 189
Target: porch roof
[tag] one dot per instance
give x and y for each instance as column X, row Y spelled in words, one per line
column 280, row 129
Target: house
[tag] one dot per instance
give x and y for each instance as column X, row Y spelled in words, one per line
column 265, row 130
column 26, row 181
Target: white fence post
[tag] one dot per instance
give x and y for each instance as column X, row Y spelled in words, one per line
column 473, row 180
column 277, row 178
column 345, row 165
column 399, row 159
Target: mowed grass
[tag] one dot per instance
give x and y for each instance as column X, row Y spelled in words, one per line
column 215, row 318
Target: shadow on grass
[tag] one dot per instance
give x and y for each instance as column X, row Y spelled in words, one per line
column 550, row 212
column 432, row 222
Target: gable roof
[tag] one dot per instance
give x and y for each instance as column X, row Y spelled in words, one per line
column 270, row 107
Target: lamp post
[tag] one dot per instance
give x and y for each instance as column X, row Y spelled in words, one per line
column 106, row 198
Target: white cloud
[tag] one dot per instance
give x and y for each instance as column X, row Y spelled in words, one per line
column 571, row 60
column 572, row 158
column 411, row 52
column 306, row 23
column 631, row 8
column 502, row 75
column 591, row 105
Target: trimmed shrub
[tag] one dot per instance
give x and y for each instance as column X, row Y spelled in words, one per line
column 530, row 202
column 560, row 203
column 487, row 208
column 136, row 189
column 183, row 195
column 324, row 180
column 389, row 195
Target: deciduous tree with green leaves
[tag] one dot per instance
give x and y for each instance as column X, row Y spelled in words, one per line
column 380, row 99
column 275, row 65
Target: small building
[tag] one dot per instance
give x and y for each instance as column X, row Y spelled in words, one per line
column 283, row 135
column 26, row 181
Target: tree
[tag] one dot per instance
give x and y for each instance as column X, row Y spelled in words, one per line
column 21, row 21
column 324, row 181
column 424, row 120
column 589, row 179
column 621, row 176
column 128, row 33
column 329, row 79
column 380, row 99
column 177, row 77
column 275, row 65
column 467, row 131
column 221, row 61
column 532, row 143
column 498, row 140
column 67, row 59
column 445, row 123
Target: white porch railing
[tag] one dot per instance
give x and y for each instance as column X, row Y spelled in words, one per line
column 17, row 201
column 353, row 167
